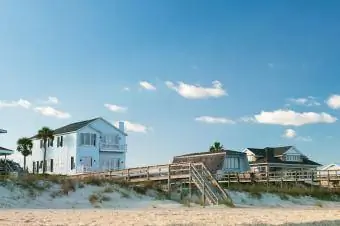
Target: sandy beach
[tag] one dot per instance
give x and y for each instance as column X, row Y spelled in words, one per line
column 183, row 216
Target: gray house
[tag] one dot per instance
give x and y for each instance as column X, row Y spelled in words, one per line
column 218, row 162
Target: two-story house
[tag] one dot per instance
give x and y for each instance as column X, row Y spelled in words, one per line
column 284, row 158
column 91, row 145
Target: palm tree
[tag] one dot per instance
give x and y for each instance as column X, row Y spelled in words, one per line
column 216, row 147
column 45, row 134
column 25, row 146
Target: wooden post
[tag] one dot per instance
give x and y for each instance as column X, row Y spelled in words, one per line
column 296, row 179
column 328, row 180
column 228, row 179
column 282, row 174
column 190, row 192
column 169, row 182
column 147, row 173
column 128, row 174
column 203, row 195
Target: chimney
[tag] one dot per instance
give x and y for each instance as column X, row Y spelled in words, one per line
column 121, row 126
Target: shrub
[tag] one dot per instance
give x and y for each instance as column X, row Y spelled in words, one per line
column 93, row 198
column 67, row 186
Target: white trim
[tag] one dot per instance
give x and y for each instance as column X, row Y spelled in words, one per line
column 122, row 132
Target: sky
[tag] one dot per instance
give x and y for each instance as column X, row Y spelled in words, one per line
column 181, row 74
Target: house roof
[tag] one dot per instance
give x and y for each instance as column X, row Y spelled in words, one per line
column 213, row 161
column 228, row 152
column 274, row 150
column 3, row 131
column 337, row 165
column 305, row 161
column 73, row 127
column 5, row 151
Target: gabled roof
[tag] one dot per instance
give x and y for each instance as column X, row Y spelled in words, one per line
column 74, row 127
column 337, row 165
column 273, row 150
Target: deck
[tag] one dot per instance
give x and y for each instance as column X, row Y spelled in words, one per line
column 181, row 171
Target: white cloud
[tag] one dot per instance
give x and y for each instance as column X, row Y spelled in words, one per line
column 289, row 133
column 292, row 118
column 334, row 102
column 20, row 103
column 147, row 85
column 126, row 89
column 214, row 120
column 51, row 112
column 196, row 91
column 134, row 127
column 305, row 101
column 52, row 100
column 115, row 108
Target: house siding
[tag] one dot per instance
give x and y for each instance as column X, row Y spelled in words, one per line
column 61, row 155
column 85, row 157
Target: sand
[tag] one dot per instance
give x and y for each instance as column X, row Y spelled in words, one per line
column 172, row 216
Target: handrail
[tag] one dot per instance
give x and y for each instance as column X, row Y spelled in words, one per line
column 204, row 182
column 209, row 194
column 217, row 184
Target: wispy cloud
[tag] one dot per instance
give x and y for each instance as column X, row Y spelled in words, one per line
column 146, row 85
column 115, row 108
column 190, row 91
column 214, row 120
column 134, row 127
column 20, row 103
column 290, row 118
column 126, row 89
column 334, row 101
column 304, row 101
column 52, row 112
column 52, row 100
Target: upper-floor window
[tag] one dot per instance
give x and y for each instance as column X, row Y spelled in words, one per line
column 292, row 157
column 60, row 141
column 232, row 163
column 88, row 139
column 251, row 158
column 110, row 139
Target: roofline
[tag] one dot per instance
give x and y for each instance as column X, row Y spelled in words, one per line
column 3, row 131
column 122, row 132
column 75, row 131
column 188, row 155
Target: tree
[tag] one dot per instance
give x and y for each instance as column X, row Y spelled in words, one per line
column 45, row 134
column 24, row 146
column 216, row 147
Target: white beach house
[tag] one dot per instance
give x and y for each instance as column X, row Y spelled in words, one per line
column 91, row 145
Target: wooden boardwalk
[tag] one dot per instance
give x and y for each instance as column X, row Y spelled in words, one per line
column 168, row 172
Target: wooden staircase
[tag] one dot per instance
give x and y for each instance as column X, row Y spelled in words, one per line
column 208, row 186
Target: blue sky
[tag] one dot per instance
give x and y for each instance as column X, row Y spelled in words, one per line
column 245, row 73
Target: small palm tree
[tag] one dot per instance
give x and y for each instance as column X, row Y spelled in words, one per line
column 25, row 146
column 216, row 147
column 45, row 134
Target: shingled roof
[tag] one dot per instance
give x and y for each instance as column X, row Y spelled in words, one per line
column 272, row 155
column 212, row 160
column 72, row 127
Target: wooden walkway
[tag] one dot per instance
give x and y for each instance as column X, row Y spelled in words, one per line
column 181, row 171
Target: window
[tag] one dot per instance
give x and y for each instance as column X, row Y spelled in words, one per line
column 111, row 139
column 88, row 139
column 33, row 167
column 41, row 143
column 51, row 165
column 293, row 158
column 72, row 163
column 41, row 164
column 233, row 163
column 60, row 141
column 50, row 143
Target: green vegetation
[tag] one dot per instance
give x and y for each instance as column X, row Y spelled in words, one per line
column 45, row 134
column 216, row 147
column 24, row 146
column 256, row 191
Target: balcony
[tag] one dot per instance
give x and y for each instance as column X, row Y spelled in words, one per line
column 113, row 147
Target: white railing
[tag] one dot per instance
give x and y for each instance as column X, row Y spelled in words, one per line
column 104, row 146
